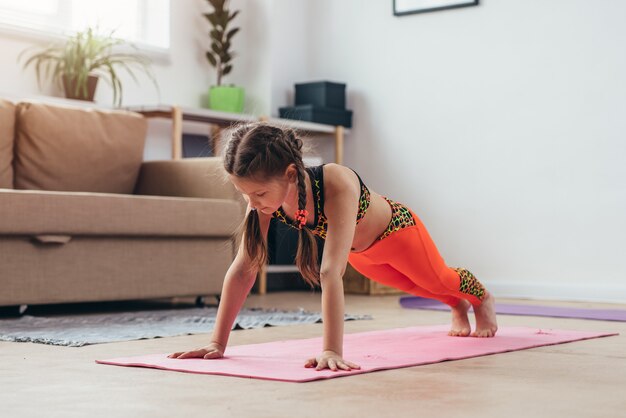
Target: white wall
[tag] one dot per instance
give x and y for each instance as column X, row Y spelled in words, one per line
column 501, row 125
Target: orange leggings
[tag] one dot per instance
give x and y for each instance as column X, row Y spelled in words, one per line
column 407, row 259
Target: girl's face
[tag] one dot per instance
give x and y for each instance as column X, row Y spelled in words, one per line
column 266, row 196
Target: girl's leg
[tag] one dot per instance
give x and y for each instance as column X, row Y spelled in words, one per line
column 412, row 252
column 424, row 265
column 388, row 276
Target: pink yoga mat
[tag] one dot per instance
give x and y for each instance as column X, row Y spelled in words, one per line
column 374, row 350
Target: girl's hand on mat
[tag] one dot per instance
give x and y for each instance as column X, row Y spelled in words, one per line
column 331, row 360
column 211, row 351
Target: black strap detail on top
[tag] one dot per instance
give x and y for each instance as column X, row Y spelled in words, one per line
column 361, row 184
column 320, row 226
column 316, row 173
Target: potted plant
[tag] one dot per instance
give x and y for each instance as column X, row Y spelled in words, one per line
column 225, row 98
column 82, row 59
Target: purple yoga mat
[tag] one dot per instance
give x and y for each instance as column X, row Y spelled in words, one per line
column 414, row 302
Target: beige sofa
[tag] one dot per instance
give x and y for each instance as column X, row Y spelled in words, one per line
column 83, row 218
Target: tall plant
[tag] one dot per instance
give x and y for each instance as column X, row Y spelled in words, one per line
column 220, row 55
column 86, row 54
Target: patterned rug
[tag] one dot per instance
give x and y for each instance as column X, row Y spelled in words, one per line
column 86, row 329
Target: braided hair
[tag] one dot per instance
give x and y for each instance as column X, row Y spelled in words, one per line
column 261, row 151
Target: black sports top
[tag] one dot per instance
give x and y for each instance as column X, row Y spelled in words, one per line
column 316, row 175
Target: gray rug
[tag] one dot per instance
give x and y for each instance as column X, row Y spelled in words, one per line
column 86, row 329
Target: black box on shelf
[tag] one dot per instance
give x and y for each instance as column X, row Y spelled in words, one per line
column 311, row 113
column 197, row 146
column 321, row 94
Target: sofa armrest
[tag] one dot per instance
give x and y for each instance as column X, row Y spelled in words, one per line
column 189, row 177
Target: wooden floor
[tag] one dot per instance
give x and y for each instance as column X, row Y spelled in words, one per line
column 580, row 379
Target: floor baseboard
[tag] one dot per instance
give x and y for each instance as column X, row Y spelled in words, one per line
column 594, row 292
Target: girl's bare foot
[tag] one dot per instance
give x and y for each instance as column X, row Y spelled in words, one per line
column 460, row 322
column 486, row 325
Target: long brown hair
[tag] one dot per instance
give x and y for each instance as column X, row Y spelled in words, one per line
column 260, row 151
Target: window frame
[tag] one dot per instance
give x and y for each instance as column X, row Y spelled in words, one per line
column 155, row 53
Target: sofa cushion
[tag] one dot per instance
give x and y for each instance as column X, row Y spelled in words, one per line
column 35, row 212
column 7, row 125
column 77, row 149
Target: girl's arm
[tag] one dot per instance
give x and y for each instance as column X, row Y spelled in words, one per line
column 237, row 284
column 238, row 281
column 341, row 206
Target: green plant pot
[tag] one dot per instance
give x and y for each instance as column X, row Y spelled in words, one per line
column 226, row 98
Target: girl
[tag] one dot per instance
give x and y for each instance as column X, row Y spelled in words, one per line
column 382, row 239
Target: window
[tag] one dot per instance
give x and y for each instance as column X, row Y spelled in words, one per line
column 145, row 23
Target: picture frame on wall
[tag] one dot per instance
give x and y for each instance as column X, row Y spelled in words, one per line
column 407, row 7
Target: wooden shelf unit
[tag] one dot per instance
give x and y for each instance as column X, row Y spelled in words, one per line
column 220, row 120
